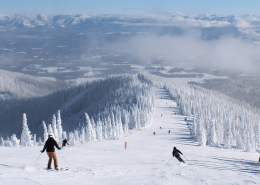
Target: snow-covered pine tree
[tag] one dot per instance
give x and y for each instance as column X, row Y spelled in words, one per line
column 26, row 134
column 239, row 143
column 104, row 131
column 212, row 139
column 227, row 134
column 50, row 132
column 34, row 140
column 45, row 132
column 64, row 135
column 76, row 137
column 99, row 130
column 120, row 128
column 82, row 135
column 72, row 139
column 88, row 129
column 94, row 135
column 109, row 128
column 113, row 124
column 59, row 126
column 201, row 133
column 14, row 140
column 54, row 128
column 40, row 142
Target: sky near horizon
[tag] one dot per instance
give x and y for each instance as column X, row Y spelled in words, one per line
column 225, row 7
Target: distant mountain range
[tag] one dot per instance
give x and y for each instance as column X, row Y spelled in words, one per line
column 210, row 26
column 174, row 19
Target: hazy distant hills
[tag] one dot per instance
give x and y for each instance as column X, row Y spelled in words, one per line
column 19, row 86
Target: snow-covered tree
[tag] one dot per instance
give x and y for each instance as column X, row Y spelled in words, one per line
column 26, row 134
column 45, row 132
column 59, row 127
column 71, row 139
column 34, row 140
column 212, row 139
column 94, row 136
column 99, row 130
column 76, row 137
column 14, row 140
column 54, row 128
column 109, row 128
column 89, row 129
column 40, row 141
column 82, row 136
column 50, row 132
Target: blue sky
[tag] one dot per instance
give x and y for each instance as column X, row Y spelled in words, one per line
column 226, row 7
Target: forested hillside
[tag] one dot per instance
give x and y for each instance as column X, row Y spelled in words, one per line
column 20, row 86
column 99, row 99
column 245, row 89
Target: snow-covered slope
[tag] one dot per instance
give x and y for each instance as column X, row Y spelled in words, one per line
column 19, row 86
column 143, row 162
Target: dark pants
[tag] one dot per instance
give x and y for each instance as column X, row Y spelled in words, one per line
column 180, row 159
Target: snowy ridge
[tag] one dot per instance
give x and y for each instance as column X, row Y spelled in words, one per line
column 20, row 86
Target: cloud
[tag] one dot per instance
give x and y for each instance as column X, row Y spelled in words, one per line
column 225, row 53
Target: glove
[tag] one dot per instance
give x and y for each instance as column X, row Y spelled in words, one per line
column 59, row 148
column 41, row 151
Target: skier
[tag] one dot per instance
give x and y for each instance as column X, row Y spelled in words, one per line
column 177, row 153
column 153, row 133
column 169, row 132
column 160, row 127
column 49, row 146
column 64, row 142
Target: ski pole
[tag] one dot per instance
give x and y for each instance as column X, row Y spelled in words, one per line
column 64, row 159
column 184, row 157
column 37, row 158
column 169, row 160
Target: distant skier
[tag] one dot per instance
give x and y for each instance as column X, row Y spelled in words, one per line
column 160, row 127
column 177, row 153
column 64, row 142
column 153, row 133
column 175, row 113
column 161, row 115
column 49, row 146
column 169, row 132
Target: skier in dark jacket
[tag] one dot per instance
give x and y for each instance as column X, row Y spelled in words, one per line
column 177, row 153
column 49, row 146
column 64, row 142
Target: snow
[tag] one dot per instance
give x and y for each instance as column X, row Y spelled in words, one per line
column 143, row 162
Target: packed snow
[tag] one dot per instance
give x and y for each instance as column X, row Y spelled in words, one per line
column 142, row 162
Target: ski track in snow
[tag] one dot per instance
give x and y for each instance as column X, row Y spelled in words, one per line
column 143, row 162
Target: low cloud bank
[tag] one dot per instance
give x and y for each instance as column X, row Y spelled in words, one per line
column 226, row 53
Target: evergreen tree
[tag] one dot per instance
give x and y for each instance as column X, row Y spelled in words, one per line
column 99, row 130
column 88, row 129
column 76, row 137
column 14, row 140
column 82, row 135
column 212, row 141
column 34, row 140
column 26, row 134
column 50, row 132
column 59, row 127
column 104, row 131
column 109, row 128
column 40, row 141
column 45, row 132
column 93, row 132
column 54, row 128
column 72, row 139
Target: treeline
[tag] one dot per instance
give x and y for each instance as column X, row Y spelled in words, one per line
column 245, row 89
